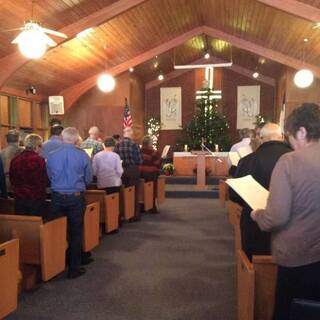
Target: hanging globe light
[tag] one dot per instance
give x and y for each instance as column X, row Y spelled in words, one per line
column 32, row 43
column 303, row 78
column 106, row 82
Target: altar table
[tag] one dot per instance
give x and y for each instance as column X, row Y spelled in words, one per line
column 185, row 164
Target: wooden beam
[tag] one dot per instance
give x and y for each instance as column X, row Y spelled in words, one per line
column 21, row 94
column 13, row 62
column 71, row 94
column 296, row 8
column 261, row 50
column 236, row 68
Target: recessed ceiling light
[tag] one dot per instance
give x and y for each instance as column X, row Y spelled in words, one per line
column 207, row 55
column 131, row 69
column 305, row 40
column 160, row 77
column 255, row 75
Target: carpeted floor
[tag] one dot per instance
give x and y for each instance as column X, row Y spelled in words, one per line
column 178, row 265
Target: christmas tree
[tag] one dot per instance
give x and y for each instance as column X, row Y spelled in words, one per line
column 208, row 124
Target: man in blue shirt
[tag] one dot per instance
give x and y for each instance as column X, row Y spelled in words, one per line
column 69, row 170
column 54, row 141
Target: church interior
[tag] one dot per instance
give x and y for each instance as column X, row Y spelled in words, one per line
column 209, row 111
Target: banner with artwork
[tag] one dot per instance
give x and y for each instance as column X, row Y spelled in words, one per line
column 170, row 104
column 248, row 106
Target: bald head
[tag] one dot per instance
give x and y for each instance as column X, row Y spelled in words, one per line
column 271, row 132
column 128, row 132
column 94, row 133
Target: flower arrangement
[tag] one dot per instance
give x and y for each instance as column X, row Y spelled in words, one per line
column 168, row 169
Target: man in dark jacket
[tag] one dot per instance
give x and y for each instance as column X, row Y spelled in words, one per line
column 260, row 165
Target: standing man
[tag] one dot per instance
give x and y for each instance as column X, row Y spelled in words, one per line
column 130, row 155
column 54, row 141
column 69, row 170
column 8, row 153
column 92, row 142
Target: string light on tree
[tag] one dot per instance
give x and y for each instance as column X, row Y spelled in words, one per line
column 106, row 82
column 153, row 127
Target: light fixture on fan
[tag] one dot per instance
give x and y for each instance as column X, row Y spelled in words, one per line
column 106, row 82
column 304, row 77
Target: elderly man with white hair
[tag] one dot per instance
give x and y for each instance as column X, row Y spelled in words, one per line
column 92, row 141
column 69, row 170
column 260, row 165
column 130, row 155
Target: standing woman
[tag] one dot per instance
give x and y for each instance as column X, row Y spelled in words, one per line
column 293, row 212
column 150, row 167
column 107, row 167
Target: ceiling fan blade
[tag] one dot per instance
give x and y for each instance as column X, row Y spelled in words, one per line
column 55, row 33
column 9, row 30
column 17, row 39
column 49, row 41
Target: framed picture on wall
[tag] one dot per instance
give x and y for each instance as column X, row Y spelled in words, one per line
column 248, row 106
column 170, row 105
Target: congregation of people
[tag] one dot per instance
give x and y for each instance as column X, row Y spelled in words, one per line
column 289, row 227
column 61, row 168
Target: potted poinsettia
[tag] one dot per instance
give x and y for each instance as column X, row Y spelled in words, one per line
column 168, row 169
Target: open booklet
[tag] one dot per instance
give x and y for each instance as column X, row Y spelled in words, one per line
column 252, row 192
column 244, row 151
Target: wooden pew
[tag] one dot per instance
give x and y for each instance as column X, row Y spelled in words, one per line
column 234, row 214
column 9, row 276
column 91, row 226
column 223, row 193
column 127, row 202
column 109, row 208
column 146, row 194
column 161, row 189
column 256, row 287
column 41, row 244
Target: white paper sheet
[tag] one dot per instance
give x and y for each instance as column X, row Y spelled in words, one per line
column 252, row 192
column 244, row 151
column 88, row 151
column 234, row 158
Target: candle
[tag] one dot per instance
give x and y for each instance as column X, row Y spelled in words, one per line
column 216, row 148
column 186, row 148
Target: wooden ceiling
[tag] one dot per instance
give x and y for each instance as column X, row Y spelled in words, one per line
column 150, row 24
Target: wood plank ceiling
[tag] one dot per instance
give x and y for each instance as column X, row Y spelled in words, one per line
column 147, row 26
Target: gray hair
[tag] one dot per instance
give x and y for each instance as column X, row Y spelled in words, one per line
column 32, row 141
column 70, row 135
column 93, row 131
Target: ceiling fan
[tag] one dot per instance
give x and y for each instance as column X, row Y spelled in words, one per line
column 33, row 40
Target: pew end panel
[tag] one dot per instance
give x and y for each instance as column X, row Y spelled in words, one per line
column 223, row 193
column 91, row 227
column 146, row 194
column 161, row 189
column 265, row 286
column 245, row 287
column 92, row 196
column 235, row 212
column 9, row 276
column 53, row 244
column 112, row 212
column 128, row 202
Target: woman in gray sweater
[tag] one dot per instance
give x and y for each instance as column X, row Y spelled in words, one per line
column 293, row 212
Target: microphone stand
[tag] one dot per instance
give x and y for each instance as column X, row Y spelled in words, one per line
column 203, row 146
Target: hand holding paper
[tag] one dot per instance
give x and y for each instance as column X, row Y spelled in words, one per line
column 253, row 193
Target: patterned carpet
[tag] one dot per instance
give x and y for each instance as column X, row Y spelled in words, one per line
column 178, row 265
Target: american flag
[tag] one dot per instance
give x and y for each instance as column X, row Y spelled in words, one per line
column 127, row 120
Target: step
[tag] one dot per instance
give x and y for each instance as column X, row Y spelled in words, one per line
column 191, row 191
column 191, row 180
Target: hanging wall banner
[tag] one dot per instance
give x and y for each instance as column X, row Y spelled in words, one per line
column 170, row 104
column 248, row 106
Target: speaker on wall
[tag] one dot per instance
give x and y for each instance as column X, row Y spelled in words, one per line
column 56, row 105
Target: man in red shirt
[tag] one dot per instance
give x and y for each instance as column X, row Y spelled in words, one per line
column 28, row 177
column 150, row 167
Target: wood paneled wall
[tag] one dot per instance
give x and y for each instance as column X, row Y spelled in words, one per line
column 105, row 110
column 190, row 82
column 23, row 114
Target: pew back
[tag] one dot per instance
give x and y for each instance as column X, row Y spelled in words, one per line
column 9, row 267
column 92, row 196
column 91, row 228
column 7, row 206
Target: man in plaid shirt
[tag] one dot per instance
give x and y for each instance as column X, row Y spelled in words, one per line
column 130, row 155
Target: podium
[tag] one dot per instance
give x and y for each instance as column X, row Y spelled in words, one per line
column 201, row 168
